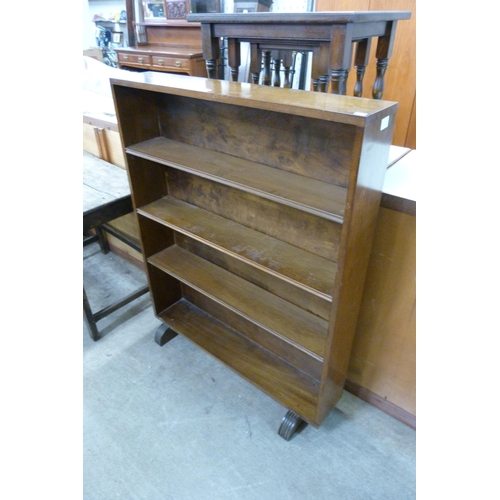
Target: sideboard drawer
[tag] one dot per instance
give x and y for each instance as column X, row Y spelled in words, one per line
column 135, row 59
column 171, row 63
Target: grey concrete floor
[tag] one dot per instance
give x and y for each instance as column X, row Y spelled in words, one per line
column 172, row 423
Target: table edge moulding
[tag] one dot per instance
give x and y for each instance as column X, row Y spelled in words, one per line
column 241, row 259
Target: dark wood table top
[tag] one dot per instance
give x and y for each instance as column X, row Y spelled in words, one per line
column 338, row 17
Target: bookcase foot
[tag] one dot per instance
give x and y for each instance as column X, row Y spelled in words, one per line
column 290, row 424
column 164, row 334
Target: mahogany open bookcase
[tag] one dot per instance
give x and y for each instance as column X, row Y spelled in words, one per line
column 256, row 208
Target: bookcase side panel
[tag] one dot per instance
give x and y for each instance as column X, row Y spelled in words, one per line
column 148, row 180
column 165, row 289
column 137, row 113
column 364, row 193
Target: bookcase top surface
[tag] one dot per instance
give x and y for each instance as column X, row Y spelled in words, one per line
column 330, row 107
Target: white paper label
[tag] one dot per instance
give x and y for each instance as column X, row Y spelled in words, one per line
column 384, row 123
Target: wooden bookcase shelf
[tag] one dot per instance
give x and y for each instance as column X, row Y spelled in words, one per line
column 304, row 269
column 319, row 198
column 256, row 208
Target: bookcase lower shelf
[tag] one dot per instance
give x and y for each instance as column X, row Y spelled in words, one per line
column 259, row 366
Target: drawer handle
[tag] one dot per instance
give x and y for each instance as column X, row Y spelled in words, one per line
column 141, row 59
column 125, row 56
column 160, row 62
column 178, row 64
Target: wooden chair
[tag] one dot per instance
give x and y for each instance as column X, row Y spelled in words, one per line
column 106, row 196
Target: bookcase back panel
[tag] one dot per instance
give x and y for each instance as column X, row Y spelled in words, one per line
column 313, row 234
column 305, row 146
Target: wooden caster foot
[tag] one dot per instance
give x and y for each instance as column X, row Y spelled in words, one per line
column 164, row 334
column 289, row 425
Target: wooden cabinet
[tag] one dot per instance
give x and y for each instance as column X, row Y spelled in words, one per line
column 257, row 208
column 160, row 44
column 173, row 59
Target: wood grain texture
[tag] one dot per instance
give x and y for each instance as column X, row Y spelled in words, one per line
column 332, row 108
column 291, row 323
column 321, row 198
column 298, row 228
column 305, row 147
column 383, row 358
column 363, row 203
column 269, row 373
column 304, row 269
column 282, row 288
column 310, row 365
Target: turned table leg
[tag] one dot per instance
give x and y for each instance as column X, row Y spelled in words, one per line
column 340, row 58
column 234, row 58
column 319, row 70
column 266, row 74
column 287, row 59
column 384, row 51
column 360, row 62
column 255, row 62
column 276, row 57
column 211, row 50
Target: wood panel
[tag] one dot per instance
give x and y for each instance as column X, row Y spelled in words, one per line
column 400, row 78
column 114, row 148
column 90, row 144
column 383, row 359
column 102, row 139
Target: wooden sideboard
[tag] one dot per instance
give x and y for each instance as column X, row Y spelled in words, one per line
column 169, row 46
column 169, row 59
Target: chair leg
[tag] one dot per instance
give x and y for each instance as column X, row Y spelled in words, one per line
column 89, row 318
column 103, row 241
